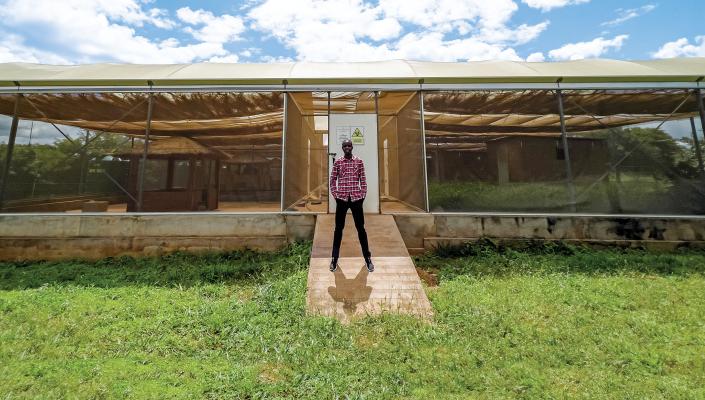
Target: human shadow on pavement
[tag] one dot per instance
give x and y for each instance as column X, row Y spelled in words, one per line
column 350, row 292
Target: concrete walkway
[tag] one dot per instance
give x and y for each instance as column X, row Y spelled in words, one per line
column 351, row 291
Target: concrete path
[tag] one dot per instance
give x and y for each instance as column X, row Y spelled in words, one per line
column 351, row 291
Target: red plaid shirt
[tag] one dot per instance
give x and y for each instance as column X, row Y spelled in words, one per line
column 347, row 179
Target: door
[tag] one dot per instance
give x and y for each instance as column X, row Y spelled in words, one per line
column 362, row 130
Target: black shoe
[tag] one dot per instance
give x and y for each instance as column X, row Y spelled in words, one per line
column 370, row 266
column 333, row 265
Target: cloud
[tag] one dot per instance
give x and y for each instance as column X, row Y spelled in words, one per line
column 626, row 15
column 13, row 49
column 84, row 31
column 221, row 29
column 682, row 48
column 231, row 58
column 352, row 30
column 547, row 5
column 101, row 30
column 536, row 57
column 592, row 49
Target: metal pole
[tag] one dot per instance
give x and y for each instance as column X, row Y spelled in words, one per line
column 331, row 162
column 84, row 165
column 701, row 108
column 10, row 148
column 140, row 187
column 566, row 153
column 423, row 147
column 282, row 187
column 696, row 144
column 379, row 187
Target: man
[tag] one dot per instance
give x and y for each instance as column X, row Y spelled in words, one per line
column 348, row 186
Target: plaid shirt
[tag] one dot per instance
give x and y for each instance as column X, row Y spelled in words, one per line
column 347, row 179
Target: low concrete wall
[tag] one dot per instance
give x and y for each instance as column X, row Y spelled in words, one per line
column 93, row 236
column 424, row 231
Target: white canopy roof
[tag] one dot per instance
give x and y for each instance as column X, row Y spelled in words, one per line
column 381, row 72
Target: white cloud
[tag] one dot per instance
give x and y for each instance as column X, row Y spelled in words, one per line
column 626, row 15
column 231, row 58
column 221, row 29
column 547, row 5
column 536, row 57
column 89, row 31
column 280, row 59
column 591, row 49
column 13, row 49
column 682, row 48
column 316, row 30
column 432, row 14
column 352, row 30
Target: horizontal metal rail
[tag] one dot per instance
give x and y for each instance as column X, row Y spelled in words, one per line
column 351, row 87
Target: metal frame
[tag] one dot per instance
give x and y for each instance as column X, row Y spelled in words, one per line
column 10, row 149
column 701, row 107
column 379, row 187
column 286, row 101
column 566, row 152
column 143, row 165
column 367, row 87
column 696, row 143
column 421, row 87
column 423, row 149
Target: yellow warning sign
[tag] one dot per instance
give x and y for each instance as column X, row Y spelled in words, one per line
column 358, row 135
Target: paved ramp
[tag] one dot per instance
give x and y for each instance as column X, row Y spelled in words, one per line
column 351, row 291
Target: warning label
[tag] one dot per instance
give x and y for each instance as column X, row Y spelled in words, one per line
column 358, row 135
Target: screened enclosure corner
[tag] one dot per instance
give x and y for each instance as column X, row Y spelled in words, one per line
column 125, row 152
column 565, row 151
column 310, row 151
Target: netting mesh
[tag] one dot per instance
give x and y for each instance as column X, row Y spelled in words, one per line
column 306, row 159
column 401, row 172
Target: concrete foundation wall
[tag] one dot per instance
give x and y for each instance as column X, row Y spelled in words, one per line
column 51, row 237
column 93, row 236
column 425, row 231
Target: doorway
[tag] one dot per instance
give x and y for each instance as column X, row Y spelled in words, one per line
column 362, row 130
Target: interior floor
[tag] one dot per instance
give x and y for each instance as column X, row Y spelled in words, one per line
column 387, row 205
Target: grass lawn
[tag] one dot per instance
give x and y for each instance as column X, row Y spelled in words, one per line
column 545, row 322
column 637, row 194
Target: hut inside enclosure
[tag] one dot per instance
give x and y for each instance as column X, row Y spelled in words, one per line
column 591, row 136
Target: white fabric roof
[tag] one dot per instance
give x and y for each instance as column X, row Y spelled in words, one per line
column 396, row 71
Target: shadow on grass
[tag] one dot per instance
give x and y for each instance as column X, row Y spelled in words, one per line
column 489, row 258
column 178, row 269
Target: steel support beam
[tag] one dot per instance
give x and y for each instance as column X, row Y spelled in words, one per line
column 143, row 164
column 696, row 144
column 701, row 108
column 423, row 151
column 282, row 186
column 566, row 154
column 10, row 148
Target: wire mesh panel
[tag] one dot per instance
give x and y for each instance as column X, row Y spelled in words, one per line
column 64, row 157
column 636, row 151
column 214, row 151
column 494, row 151
column 400, row 144
column 306, row 180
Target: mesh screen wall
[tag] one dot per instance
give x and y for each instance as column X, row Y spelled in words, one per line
column 637, row 168
column 400, row 152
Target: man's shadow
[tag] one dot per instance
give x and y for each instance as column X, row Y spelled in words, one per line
column 350, row 292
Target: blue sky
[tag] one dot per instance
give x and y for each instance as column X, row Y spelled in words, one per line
column 160, row 31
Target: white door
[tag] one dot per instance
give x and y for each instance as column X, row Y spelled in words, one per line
column 362, row 130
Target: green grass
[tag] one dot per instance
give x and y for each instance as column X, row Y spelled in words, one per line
column 637, row 194
column 544, row 322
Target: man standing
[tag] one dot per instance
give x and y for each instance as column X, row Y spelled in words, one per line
column 348, row 186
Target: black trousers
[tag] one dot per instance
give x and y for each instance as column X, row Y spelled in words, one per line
column 341, row 210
